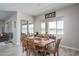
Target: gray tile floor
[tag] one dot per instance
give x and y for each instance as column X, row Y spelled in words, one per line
column 16, row 50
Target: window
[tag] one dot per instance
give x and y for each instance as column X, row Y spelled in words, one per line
column 52, row 27
column 60, row 27
column 27, row 27
column 24, row 28
column 30, row 28
column 43, row 27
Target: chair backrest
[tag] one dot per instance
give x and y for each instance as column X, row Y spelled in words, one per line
column 23, row 36
column 24, row 39
column 57, row 44
column 30, row 44
column 24, row 42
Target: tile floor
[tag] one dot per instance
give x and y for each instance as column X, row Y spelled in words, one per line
column 16, row 50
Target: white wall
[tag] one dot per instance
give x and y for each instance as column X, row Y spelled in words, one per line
column 37, row 26
column 11, row 26
column 71, row 25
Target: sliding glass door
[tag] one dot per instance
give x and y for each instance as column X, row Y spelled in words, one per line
column 30, row 28
column 27, row 27
column 24, row 28
column 52, row 27
column 55, row 26
column 60, row 27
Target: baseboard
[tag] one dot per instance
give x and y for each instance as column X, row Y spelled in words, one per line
column 76, row 49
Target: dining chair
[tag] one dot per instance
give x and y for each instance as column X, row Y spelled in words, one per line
column 30, row 46
column 55, row 49
column 24, row 41
column 23, row 34
column 46, row 36
column 24, row 44
column 33, row 47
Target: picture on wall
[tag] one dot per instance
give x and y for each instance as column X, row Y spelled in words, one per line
column 50, row 15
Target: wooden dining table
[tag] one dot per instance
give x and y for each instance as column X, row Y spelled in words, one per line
column 42, row 42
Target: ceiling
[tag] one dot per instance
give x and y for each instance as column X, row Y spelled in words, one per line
column 33, row 9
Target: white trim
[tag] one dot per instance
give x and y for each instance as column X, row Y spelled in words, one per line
column 76, row 49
